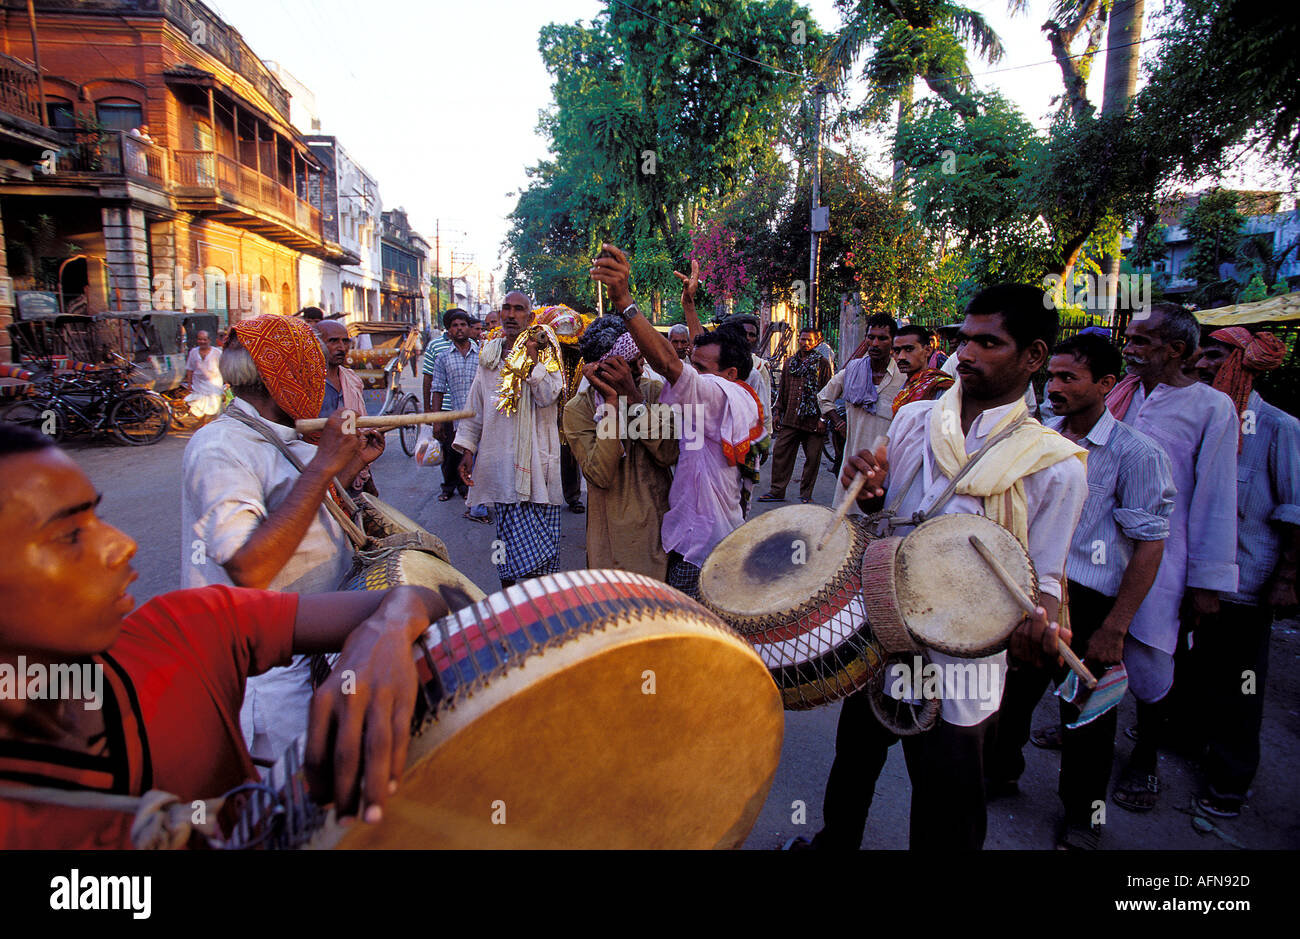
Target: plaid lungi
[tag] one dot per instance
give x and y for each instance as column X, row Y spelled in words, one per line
column 683, row 575
column 531, row 534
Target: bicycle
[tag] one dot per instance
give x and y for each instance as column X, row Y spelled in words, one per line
column 95, row 402
column 397, row 401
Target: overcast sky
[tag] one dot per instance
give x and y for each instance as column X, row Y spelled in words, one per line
column 439, row 99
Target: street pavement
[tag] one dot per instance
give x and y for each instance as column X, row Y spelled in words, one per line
column 141, row 488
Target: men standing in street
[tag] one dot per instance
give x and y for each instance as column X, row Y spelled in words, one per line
column 628, row 473
column 453, row 373
column 1198, row 428
column 431, row 352
column 798, row 421
column 512, row 444
column 343, row 387
column 705, row 498
column 868, row 385
column 1232, row 647
column 912, row 351
column 1114, row 555
column 1033, row 483
column 251, row 518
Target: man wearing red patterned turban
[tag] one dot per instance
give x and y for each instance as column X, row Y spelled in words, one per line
column 251, row 518
column 1235, row 642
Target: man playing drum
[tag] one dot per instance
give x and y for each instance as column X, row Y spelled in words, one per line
column 705, row 499
column 1033, row 483
column 250, row 518
column 165, row 714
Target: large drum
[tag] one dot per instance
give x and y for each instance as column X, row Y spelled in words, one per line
column 590, row 709
column 799, row 606
column 932, row 589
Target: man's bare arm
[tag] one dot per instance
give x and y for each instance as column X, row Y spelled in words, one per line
column 614, row 271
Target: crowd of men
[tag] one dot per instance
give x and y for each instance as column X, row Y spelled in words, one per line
column 1157, row 494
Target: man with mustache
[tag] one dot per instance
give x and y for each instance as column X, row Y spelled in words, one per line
column 1198, row 428
column 1032, row 481
column 1113, row 559
column 1235, row 642
column 343, row 387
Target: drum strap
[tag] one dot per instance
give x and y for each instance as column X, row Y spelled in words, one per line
column 916, row 518
column 353, row 531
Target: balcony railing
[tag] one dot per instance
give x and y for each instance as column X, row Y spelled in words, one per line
column 405, row 283
column 112, row 153
column 206, row 169
column 18, row 94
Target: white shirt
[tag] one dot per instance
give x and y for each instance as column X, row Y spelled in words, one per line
column 231, row 480
column 760, row 379
column 1054, row 498
column 864, row 426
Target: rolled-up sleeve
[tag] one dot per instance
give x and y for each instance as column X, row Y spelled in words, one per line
column 545, row 385
column 1146, row 496
column 1285, row 472
column 1056, row 495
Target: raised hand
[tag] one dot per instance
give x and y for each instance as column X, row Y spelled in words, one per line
column 689, row 284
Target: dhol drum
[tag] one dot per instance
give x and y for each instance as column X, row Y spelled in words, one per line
column 931, row 588
column 590, row 709
column 800, row 607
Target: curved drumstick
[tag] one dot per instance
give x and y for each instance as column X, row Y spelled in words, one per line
column 1027, row 605
column 850, row 498
column 387, row 422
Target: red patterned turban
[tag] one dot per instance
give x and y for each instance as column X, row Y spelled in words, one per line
column 289, row 357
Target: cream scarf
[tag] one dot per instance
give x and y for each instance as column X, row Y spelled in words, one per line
column 998, row 478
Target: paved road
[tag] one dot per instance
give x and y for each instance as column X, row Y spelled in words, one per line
column 142, row 496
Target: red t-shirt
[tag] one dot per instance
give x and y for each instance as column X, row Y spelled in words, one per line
column 173, row 684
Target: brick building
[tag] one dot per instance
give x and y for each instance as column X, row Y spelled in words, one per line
column 180, row 179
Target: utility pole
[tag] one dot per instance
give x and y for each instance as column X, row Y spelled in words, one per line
column 820, row 215
column 437, row 269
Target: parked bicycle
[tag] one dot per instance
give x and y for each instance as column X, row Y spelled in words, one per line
column 95, row 402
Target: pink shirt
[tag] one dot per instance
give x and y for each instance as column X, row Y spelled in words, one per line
column 704, row 501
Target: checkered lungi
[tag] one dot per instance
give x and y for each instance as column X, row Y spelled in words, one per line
column 683, row 575
column 531, row 533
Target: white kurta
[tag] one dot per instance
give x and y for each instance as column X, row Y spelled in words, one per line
column 490, row 434
column 864, row 425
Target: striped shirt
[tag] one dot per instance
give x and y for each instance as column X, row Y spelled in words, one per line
column 431, row 353
column 1268, row 493
column 453, row 374
column 1130, row 498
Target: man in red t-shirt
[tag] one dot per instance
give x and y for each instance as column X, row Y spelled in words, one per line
column 164, row 712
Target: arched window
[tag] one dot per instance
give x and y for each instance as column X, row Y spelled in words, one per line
column 119, row 114
column 61, row 113
column 286, row 300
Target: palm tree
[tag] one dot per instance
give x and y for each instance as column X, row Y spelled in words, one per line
column 912, row 39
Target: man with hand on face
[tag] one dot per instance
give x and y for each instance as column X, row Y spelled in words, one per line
column 173, row 671
column 627, row 464
column 1234, row 642
column 343, row 387
column 450, row 381
column 1114, row 556
column 1033, row 482
column 1198, row 428
column 705, row 498
column 868, row 386
column 512, row 451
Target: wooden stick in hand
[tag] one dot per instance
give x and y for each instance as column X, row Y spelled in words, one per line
column 1027, row 605
column 850, row 499
column 387, row 422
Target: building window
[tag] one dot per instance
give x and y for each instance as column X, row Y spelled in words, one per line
column 119, row 114
column 60, row 114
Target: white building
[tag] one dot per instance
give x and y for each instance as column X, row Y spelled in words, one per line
column 356, row 207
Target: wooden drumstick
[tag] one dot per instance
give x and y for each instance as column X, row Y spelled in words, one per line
column 1027, row 605
column 850, row 498
column 387, row 422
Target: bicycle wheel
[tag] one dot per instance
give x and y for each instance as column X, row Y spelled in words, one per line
column 40, row 416
column 411, row 432
column 140, row 419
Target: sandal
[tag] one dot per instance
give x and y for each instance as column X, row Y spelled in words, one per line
column 1079, row 838
column 1220, row 806
column 1133, row 790
column 768, row 497
column 481, row 519
column 445, row 496
column 1047, row 738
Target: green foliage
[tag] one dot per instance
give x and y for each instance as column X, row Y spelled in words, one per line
column 1254, row 291
column 1214, row 228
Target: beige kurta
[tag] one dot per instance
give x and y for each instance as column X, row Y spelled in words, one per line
column 627, row 486
column 864, row 426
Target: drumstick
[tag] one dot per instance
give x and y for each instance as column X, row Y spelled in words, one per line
column 850, row 498
column 1065, row 651
column 387, row 422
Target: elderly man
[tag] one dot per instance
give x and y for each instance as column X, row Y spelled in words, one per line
column 250, row 517
column 680, row 337
column 627, row 463
column 1232, row 646
column 174, row 672
column 1198, row 428
column 912, row 350
column 203, row 375
column 713, row 473
column 868, row 386
column 511, row 446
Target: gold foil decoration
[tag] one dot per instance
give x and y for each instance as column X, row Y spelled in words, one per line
column 516, row 366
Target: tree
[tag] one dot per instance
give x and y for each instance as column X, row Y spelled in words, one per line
column 1214, row 228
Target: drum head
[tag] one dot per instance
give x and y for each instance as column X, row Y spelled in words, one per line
column 947, row 595
column 770, row 569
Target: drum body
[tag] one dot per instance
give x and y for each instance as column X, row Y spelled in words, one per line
column 799, row 606
column 591, row 709
column 931, row 588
